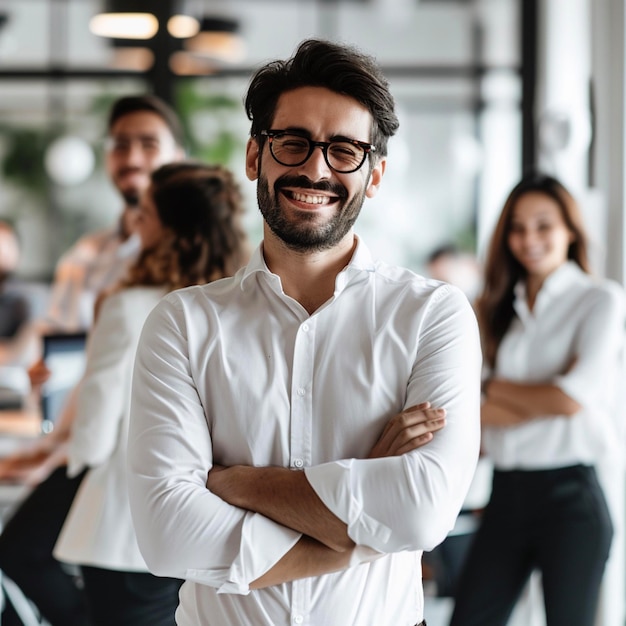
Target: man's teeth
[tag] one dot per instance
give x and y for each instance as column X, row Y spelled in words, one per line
column 303, row 197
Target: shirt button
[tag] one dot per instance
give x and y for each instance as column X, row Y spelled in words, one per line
column 298, row 619
column 301, row 391
column 305, row 328
column 298, row 463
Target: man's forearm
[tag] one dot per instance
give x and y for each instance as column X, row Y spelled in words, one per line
column 284, row 496
column 307, row 558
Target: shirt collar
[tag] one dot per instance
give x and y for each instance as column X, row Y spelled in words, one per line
column 556, row 283
column 361, row 261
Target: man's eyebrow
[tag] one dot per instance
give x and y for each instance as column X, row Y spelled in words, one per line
column 297, row 130
column 305, row 133
column 127, row 135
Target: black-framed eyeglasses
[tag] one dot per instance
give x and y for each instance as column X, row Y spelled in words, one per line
column 344, row 156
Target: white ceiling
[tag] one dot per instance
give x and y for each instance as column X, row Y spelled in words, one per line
column 398, row 32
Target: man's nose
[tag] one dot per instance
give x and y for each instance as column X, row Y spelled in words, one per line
column 315, row 167
column 134, row 153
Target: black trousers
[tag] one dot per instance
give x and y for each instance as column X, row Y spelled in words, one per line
column 26, row 545
column 556, row 521
column 130, row 598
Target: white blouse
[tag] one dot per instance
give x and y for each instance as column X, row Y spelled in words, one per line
column 240, row 373
column 576, row 319
column 98, row 530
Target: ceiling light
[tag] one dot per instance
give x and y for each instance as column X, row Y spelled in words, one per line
column 124, row 25
column 218, row 39
column 125, row 19
column 183, row 26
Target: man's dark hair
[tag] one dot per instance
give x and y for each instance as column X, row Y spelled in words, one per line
column 317, row 63
column 152, row 104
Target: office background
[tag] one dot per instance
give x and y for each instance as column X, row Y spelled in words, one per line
column 485, row 89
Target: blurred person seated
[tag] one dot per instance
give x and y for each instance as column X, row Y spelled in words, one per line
column 18, row 340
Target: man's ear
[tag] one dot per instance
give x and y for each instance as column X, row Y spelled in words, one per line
column 252, row 159
column 376, row 177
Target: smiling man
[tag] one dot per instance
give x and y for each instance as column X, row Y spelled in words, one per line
column 301, row 432
column 143, row 134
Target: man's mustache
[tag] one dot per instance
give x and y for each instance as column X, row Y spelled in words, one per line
column 129, row 170
column 305, row 183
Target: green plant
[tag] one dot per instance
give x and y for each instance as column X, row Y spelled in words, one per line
column 223, row 144
column 23, row 163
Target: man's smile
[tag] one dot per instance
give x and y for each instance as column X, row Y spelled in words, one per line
column 309, row 197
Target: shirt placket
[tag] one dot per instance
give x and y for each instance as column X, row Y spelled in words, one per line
column 301, row 439
column 519, row 355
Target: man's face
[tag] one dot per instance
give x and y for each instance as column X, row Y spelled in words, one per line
column 310, row 206
column 138, row 143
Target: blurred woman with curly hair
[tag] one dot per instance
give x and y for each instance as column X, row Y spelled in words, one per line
column 191, row 233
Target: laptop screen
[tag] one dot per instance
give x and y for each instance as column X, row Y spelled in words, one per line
column 64, row 355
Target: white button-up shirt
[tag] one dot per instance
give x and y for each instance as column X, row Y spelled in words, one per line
column 573, row 338
column 237, row 372
column 98, row 530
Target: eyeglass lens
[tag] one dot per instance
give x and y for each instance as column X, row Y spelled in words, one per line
column 342, row 156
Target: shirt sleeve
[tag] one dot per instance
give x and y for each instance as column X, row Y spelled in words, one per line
column 103, row 392
column 67, row 292
column 410, row 502
column 183, row 529
column 597, row 347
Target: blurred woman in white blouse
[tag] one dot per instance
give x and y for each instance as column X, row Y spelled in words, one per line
column 191, row 233
column 553, row 339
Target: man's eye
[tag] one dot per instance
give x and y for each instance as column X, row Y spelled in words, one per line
column 343, row 150
column 294, row 145
column 120, row 145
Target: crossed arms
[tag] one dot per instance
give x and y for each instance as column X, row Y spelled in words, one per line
column 508, row 403
column 259, row 523
column 286, row 497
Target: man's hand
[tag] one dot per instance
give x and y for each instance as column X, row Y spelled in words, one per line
column 409, row 430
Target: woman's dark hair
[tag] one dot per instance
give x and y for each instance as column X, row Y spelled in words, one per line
column 319, row 63
column 502, row 271
column 200, row 207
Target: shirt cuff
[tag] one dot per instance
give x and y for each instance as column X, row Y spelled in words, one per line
column 263, row 544
column 332, row 482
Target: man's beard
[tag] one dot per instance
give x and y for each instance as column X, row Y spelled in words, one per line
column 131, row 197
column 304, row 235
